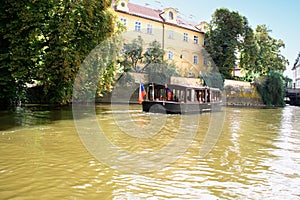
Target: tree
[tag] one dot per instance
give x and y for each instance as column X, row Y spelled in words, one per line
column 271, row 88
column 224, row 38
column 265, row 53
column 161, row 73
column 158, row 70
column 18, row 27
column 248, row 54
column 288, row 82
column 154, row 53
column 213, row 79
column 99, row 71
column 47, row 41
column 132, row 53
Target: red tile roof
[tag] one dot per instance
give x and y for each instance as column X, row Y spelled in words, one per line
column 154, row 14
column 145, row 12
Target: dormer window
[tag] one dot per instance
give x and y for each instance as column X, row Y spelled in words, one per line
column 122, row 5
column 171, row 15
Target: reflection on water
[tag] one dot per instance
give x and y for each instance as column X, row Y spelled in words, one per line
column 256, row 157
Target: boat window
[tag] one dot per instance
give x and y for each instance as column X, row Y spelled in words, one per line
column 181, row 95
column 202, row 96
column 208, row 96
column 197, row 95
column 176, row 95
column 189, row 95
column 192, row 95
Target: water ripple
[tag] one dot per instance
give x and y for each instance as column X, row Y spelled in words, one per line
column 256, row 157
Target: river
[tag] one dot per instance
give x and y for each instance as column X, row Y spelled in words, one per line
column 255, row 154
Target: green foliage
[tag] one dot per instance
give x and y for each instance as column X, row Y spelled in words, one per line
column 99, row 71
column 126, row 79
column 271, row 88
column 132, row 53
column 109, row 55
column 158, row 70
column 154, row 53
column 248, row 54
column 161, row 73
column 288, row 82
column 48, row 40
column 230, row 35
column 227, row 31
column 8, row 85
column 265, row 54
column 213, row 79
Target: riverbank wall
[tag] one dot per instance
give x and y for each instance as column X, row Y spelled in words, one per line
column 240, row 93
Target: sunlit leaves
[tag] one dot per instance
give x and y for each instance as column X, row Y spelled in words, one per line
column 224, row 38
column 264, row 54
column 271, row 88
column 154, row 53
column 47, row 40
column 132, row 53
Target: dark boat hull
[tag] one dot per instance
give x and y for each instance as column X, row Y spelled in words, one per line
column 171, row 107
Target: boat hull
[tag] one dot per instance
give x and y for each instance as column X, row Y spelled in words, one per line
column 171, row 107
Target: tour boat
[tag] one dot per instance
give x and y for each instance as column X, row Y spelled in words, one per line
column 181, row 99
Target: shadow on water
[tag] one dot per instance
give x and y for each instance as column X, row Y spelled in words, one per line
column 33, row 115
column 44, row 114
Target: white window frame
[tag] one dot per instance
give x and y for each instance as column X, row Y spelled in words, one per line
column 196, row 39
column 185, row 37
column 171, row 15
column 149, row 29
column 124, row 21
column 170, row 55
column 195, row 59
column 205, row 61
column 138, row 26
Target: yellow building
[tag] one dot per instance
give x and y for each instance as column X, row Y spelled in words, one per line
column 182, row 40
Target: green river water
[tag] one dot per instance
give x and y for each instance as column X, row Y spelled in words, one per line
column 255, row 154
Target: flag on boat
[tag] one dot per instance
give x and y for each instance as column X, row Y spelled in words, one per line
column 142, row 93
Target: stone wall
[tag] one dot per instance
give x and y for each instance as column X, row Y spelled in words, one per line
column 240, row 93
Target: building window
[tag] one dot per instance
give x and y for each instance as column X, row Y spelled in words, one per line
column 195, row 59
column 149, row 28
column 171, row 34
column 171, row 16
column 196, row 39
column 124, row 21
column 205, row 61
column 185, row 37
column 170, row 55
column 137, row 26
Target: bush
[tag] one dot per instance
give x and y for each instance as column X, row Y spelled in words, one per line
column 271, row 88
column 213, row 79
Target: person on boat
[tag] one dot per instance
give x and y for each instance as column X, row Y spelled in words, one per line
column 169, row 93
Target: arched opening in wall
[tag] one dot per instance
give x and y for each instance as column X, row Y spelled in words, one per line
column 171, row 15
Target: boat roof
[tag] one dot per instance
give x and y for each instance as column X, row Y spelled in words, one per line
column 178, row 86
